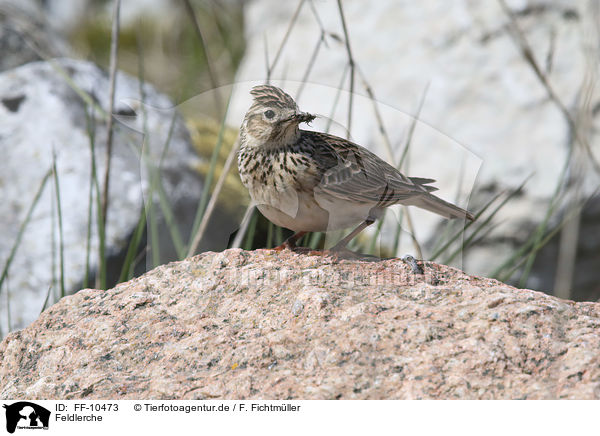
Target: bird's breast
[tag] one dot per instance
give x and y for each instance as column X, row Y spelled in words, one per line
column 273, row 172
column 282, row 185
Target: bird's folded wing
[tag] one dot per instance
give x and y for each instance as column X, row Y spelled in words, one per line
column 354, row 173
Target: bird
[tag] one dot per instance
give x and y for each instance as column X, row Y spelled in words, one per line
column 309, row 181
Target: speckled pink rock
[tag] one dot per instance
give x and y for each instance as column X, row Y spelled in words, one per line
column 279, row 325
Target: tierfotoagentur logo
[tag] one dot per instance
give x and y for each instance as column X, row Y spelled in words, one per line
column 27, row 416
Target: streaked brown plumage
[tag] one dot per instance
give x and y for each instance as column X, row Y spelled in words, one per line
column 311, row 181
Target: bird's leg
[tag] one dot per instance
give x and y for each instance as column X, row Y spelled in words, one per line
column 342, row 244
column 290, row 243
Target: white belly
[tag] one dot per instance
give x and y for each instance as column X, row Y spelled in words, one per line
column 311, row 212
column 299, row 214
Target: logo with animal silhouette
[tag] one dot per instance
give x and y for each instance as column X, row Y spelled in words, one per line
column 26, row 415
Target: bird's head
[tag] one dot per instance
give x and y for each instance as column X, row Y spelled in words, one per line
column 273, row 118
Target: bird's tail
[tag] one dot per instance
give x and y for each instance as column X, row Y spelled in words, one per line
column 435, row 204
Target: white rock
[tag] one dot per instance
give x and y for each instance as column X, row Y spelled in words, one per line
column 40, row 114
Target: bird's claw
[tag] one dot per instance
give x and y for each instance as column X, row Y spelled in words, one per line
column 287, row 245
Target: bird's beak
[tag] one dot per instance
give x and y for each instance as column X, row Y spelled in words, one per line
column 302, row 117
column 305, row 117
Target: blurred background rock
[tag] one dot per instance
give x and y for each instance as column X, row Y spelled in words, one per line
column 43, row 115
column 466, row 64
column 506, row 95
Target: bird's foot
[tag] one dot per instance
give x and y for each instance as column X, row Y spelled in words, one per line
column 308, row 251
column 287, row 245
column 290, row 243
column 337, row 252
column 344, row 253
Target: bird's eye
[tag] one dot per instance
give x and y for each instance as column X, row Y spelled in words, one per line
column 269, row 114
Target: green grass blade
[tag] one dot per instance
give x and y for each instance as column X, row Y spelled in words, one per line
column 535, row 247
column 169, row 216
column 315, row 240
column 101, row 278
column 212, row 203
column 538, row 234
column 87, row 98
column 154, row 234
column 460, row 232
column 22, row 227
column 128, row 263
column 46, row 299
column 411, row 128
column 149, row 210
column 486, row 222
column 278, row 235
column 373, row 242
column 8, row 311
column 531, row 242
column 95, row 195
column 541, row 228
column 210, row 176
column 239, row 237
column 61, row 245
column 251, row 232
column 397, row 234
column 91, row 132
column 270, row 235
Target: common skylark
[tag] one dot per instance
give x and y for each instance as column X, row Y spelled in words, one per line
column 314, row 182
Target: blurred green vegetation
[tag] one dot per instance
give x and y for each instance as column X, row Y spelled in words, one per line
column 204, row 133
column 168, row 46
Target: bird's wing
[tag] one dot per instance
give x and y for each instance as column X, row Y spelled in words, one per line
column 352, row 172
column 424, row 182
